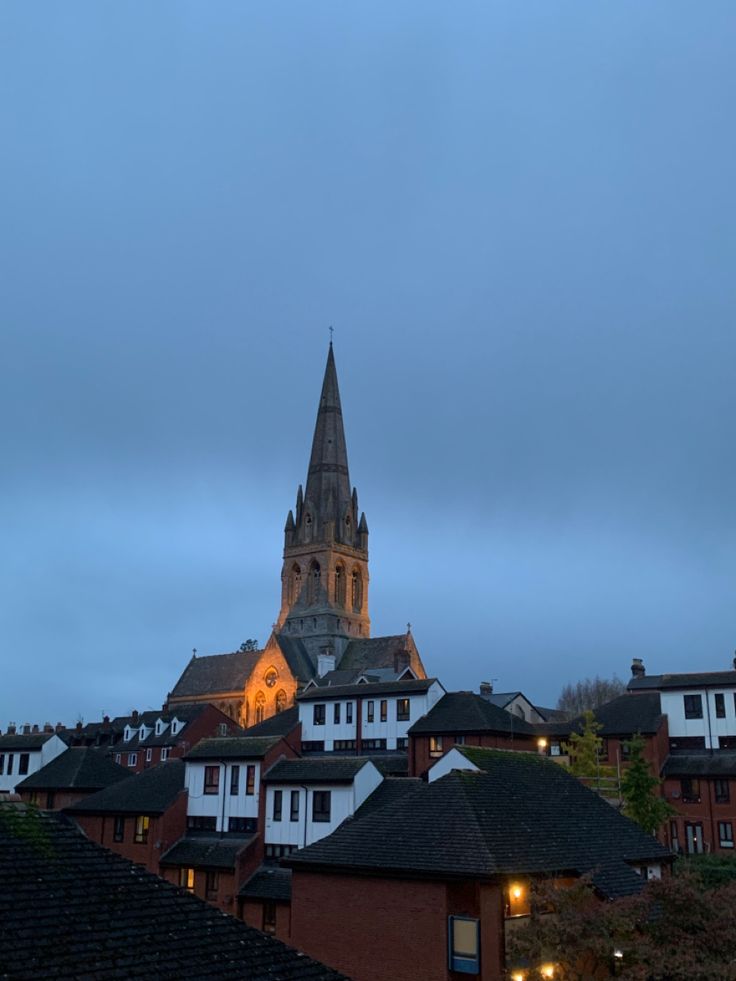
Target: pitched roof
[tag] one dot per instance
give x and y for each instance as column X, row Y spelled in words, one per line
column 268, row 882
column 72, row 909
column 17, row 741
column 320, row 769
column 523, row 814
column 502, row 698
column 280, row 724
column 367, row 690
column 698, row 679
column 719, row 764
column 296, row 656
column 206, row 851
column 364, row 653
column 233, row 748
column 622, row 716
column 149, row 792
column 215, row 674
column 464, row 711
column 77, row 768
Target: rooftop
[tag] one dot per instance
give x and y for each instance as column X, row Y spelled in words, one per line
column 367, row 689
column 464, row 711
column 207, row 851
column 77, row 768
column 233, row 748
column 150, row 792
column 701, row 679
column 268, row 882
column 319, row 769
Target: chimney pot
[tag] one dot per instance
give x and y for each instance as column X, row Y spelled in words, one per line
column 34, row 728
column 11, row 728
column 26, row 729
column 485, row 689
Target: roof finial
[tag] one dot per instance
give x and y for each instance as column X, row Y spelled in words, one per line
column 332, row 331
column 408, row 628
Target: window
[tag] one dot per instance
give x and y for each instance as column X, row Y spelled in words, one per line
column 294, row 810
column 722, row 791
column 693, row 706
column 690, row 789
column 336, row 714
column 117, row 758
column 349, row 713
column 315, row 579
column 186, row 879
column 459, row 740
column 23, row 763
column 384, row 710
column 625, row 744
column 343, row 744
column 357, row 583
column 234, row 781
column 725, row 834
column 211, row 779
column 142, row 823
column 242, row 825
column 49, row 800
column 321, row 805
column 464, row 944
column 164, row 753
column 211, row 883
column 435, row 745
column 369, row 711
column 149, row 755
column 10, row 763
column 402, row 709
column 260, row 707
column 280, row 700
column 402, row 743
column 278, row 851
column 555, row 749
column 132, row 759
column 250, row 780
column 340, row 585
column 201, row 823
column 269, row 917
column 278, row 799
column 318, row 715
column 2, row 763
column 720, row 700
column 372, row 744
column 313, row 746
column 674, row 836
column 118, row 828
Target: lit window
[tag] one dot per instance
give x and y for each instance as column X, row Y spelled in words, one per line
column 402, row 709
column 186, row 879
column 517, row 900
column 142, row 823
column 435, row 745
column 384, row 710
column 464, row 944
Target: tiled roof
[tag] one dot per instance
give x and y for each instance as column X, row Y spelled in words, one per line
column 365, row 653
column 522, row 815
column 296, row 656
column 206, row 851
column 367, row 690
column 700, row 679
column 280, row 724
column 502, row 698
column 149, row 792
column 719, row 764
column 215, row 674
column 233, row 748
column 321, row 769
column 464, row 711
column 552, row 715
column 77, row 768
column 70, row 909
column 622, row 716
column 268, row 882
column 17, row 741
column 389, row 791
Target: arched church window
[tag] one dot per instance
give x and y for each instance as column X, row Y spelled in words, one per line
column 315, row 580
column 295, row 583
column 357, row 591
column 340, row 585
column 270, row 677
column 260, row 707
column 280, row 700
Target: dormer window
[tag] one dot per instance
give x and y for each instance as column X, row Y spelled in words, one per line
column 174, row 726
column 128, row 734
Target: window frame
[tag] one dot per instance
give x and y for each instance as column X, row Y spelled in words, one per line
column 186, row 878
column 24, row 760
column 336, row 714
column 250, row 780
column 142, row 828
column 318, row 714
column 693, row 706
column 211, row 884
column 403, row 709
column 690, row 790
column 349, row 713
column 234, row 779
column 370, row 711
column 323, row 814
column 294, row 810
column 722, row 790
column 463, row 961
column 725, row 841
column 118, row 827
column 719, row 705
column 278, row 805
column 435, row 747
column 268, row 923
column 212, row 780
column 132, row 759
column 383, row 709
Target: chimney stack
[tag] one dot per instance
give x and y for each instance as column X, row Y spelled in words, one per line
column 47, row 727
column 637, row 668
column 34, row 728
column 11, row 729
column 59, row 727
column 27, row 729
column 734, row 663
column 485, row 689
column 134, row 716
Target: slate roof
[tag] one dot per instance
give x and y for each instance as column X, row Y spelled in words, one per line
column 321, row 769
column 17, row 741
column 215, row 674
column 523, row 815
column 296, row 656
column 700, row 679
column 77, row 768
column 268, row 882
column 280, row 724
column 719, row 764
column 622, row 716
column 364, row 653
column 233, row 748
column 369, row 690
column 71, row 909
column 150, row 792
column 206, row 851
column 464, row 711
column 502, row 698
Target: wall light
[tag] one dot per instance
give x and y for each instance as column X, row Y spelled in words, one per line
column 518, row 976
column 517, row 891
column 618, row 953
column 541, row 743
column 547, row 970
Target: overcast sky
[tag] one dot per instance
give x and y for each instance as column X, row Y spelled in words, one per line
column 521, row 220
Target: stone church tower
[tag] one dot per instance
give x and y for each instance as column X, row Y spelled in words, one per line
column 324, row 580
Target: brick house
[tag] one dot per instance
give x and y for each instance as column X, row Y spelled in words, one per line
column 73, row 910
column 702, row 789
column 139, row 818
column 70, row 777
column 454, row 858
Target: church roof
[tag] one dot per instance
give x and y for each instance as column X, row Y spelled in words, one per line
column 366, row 653
column 368, row 690
column 296, row 656
column 216, row 674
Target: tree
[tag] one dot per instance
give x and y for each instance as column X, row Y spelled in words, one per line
column 589, row 694
column 585, row 751
column 674, row 930
column 643, row 802
column 249, row 645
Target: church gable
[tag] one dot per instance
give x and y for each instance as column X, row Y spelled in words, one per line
column 393, row 653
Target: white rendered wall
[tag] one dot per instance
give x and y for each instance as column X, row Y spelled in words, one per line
column 223, row 805
column 452, row 760
column 37, row 758
column 709, row 727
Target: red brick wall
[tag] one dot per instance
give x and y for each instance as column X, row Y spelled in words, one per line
column 374, row 929
column 705, row 812
column 61, row 798
column 252, row 913
column 420, row 760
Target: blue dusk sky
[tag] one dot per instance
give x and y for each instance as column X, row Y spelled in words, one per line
column 520, row 218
